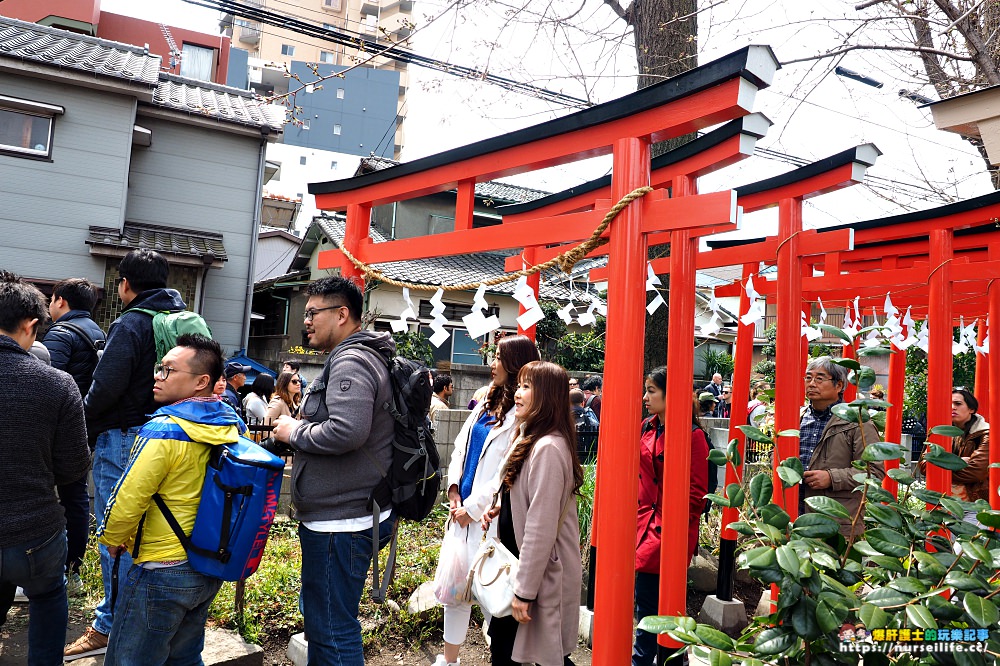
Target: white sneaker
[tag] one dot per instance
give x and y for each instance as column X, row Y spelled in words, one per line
column 19, row 596
column 441, row 661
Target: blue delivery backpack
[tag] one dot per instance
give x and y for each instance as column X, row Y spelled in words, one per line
column 238, row 502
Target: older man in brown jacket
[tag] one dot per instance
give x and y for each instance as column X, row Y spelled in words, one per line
column 828, row 444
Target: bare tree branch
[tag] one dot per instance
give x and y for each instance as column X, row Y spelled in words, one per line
column 617, row 9
column 966, row 14
column 868, row 3
column 881, row 47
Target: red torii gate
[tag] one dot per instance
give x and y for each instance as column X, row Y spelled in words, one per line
column 913, row 250
column 696, row 99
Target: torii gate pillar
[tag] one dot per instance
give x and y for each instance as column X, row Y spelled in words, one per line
column 993, row 294
column 618, row 455
column 939, row 356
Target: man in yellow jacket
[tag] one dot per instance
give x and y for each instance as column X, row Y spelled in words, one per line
column 163, row 604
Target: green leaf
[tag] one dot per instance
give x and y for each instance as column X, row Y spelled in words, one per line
column 864, row 378
column 815, row 526
column 953, row 506
column 804, row 618
column 936, row 455
column 775, row 516
column 888, row 563
column 742, row 527
column 713, row 637
column 876, row 493
column 829, row 616
column 885, row 515
column 719, row 658
column 873, row 351
column 989, row 518
column 888, row 542
column 790, row 472
column 908, row 585
column 947, row 431
column 827, row 506
column 790, row 432
column 761, row 490
column 901, row 476
column 755, row 434
column 870, row 403
column 718, row 499
column 735, row 494
column 788, row 560
column 863, row 548
column 717, row 457
column 929, row 496
column 982, row 611
column 977, row 551
column 850, row 414
column 929, row 566
column 942, row 609
column 882, row 451
column 825, row 560
column 839, row 333
column 773, row 533
column 658, row 624
column 836, row 586
column 962, row 581
column 920, row 616
column 886, row 596
column 775, row 640
column 759, row 558
column 872, row 616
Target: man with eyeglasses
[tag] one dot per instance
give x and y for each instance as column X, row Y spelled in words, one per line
column 828, row 444
column 341, row 443
column 118, row 403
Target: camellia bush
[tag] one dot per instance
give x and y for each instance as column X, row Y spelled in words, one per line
column 917, row 570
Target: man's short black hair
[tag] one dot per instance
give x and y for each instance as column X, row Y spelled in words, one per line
column 441, row 382
column 145, row 269
column 79, row 293
column 339, row 289
column 592, row 383
column 207, row 356
column 294, row 365
column 20, row 301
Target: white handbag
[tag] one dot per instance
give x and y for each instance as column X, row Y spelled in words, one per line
column 492, row 577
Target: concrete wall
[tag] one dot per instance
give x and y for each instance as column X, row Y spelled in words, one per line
column 49, row 205
column 199, row 178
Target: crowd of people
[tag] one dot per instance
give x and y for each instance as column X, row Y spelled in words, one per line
column 147, row 424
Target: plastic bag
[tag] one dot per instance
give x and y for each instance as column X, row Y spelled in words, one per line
column 451, row 578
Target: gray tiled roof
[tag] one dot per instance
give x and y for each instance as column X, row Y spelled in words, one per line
column 490, row 189
column 219, row 102
column 167, row 240
column 457, row 269
column 59, row 48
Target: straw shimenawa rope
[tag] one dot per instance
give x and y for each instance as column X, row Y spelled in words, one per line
column 565, row 261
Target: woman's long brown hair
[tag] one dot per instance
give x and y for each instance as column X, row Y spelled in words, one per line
column 514, row 352
column 548, row 413
column 281, row 390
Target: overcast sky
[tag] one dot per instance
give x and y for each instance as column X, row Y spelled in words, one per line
column 816, row 113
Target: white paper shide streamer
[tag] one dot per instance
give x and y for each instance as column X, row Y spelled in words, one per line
column 652, row 282
column 476, row 322
column 525, row 295
column 400, row 325
column 711, row 327
column 757, row 308
column 437, row 324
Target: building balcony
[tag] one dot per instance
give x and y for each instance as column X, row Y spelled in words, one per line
column 250, row 35
column 369, row 6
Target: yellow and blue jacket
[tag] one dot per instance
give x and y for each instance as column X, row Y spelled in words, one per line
column 169, row 457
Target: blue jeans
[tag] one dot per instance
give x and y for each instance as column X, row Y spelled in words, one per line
column 38, row 567
column 334, row 570
column 160, row 617
column 110, row 459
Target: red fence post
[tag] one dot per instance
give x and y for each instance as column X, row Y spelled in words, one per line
column 939, row 356
column 894, row 414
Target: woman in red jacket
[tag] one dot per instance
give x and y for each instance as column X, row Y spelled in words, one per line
column 650, row 517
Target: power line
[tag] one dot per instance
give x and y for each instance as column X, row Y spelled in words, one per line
column 365, row 44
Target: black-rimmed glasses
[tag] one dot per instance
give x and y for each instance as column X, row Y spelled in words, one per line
column 311, row 312
column 163, row 371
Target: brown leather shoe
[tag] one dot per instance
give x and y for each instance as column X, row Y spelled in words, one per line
column 91, row 643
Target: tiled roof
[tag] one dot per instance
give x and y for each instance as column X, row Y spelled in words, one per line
column 457, row 269
column 219, row 102
column 490, row 189
column 166, row 240
column 59, row 48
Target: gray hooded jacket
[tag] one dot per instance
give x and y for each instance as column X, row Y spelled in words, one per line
column 344, row 427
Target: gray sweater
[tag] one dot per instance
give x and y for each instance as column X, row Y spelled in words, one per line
column 344, row 426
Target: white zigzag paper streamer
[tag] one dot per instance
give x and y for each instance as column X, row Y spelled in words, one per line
column 437, row 324
column 400, row 325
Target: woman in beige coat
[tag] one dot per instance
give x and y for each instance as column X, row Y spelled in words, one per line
column 537, row 521
column 287, row 393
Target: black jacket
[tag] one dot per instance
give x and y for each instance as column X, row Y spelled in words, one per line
column 72, row 353
column 44, row 444
column 121, row 395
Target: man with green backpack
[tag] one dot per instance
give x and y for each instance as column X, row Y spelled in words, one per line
column 120, row 398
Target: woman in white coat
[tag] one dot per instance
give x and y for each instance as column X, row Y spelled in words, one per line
column 473, row 475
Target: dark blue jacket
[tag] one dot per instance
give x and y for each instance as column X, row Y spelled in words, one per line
column 46, row 445
column 72, row 353
column 121, row 395
column 232, row 398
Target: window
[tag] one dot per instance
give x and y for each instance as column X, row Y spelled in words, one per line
column 328, row 26
column 333, row 164
column 287, row 50
column 337, row 129
column 26, row 127
column 302, row 160
column 197, row 62
column 340, row 93
column 332, row 4
column 305, row 126
column 298, row 195
column 326, row 56
column 242, row 23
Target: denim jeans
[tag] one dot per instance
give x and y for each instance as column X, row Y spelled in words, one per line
column 160, row 617
column 110, row 459
column 334, row 570
column 647, row 599
column 38, row 566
